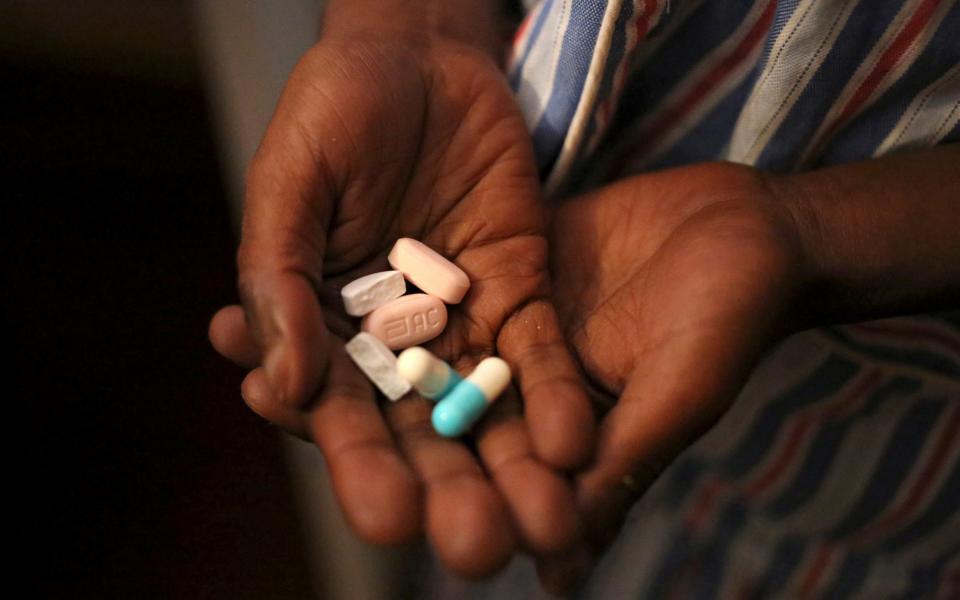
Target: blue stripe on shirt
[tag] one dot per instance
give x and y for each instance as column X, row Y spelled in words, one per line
column 618, row 47
column 825, row 380
column 823, row 448
column 894, row 466
column 848, row 577
column 821, row 384
column 575, row 56
column 709, row 25
column 709, row 137
column 943, row 507
column 866, row 23
column 926, row 578
column 672, row 562
column 716, row 555
column 922, row 358
column 535, row 28
column 868, row 130
column 786, row 557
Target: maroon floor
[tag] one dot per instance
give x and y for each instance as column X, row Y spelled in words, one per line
column 145, row 476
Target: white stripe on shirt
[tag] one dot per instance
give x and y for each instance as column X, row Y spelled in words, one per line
column 933, row 113
column 810, row 33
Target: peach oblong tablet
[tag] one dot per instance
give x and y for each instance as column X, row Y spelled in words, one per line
column 428, row 270
column 407, row 321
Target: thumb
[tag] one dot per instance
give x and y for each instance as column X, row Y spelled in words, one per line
column 654, row 421
column 289, row 201
column 231, row 337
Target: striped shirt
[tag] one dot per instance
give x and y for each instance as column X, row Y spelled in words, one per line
column 837, row 471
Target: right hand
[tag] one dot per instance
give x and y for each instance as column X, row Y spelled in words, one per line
column 373, row 141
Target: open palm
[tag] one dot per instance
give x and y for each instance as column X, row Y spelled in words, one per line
column 371, row 143
column 669, row 286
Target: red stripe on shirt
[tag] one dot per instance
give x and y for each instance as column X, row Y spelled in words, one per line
column 813, row 577
column 642, row 25
column 641, row 28
column 522, row 29
column 670, row 116
column 800, row 430
column 949, row 436
column 887, row 61
column 779, row 466
column 898, row 330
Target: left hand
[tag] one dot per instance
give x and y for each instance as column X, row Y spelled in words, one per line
column 669, row 286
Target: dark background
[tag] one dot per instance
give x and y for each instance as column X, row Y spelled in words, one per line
column 145, row 475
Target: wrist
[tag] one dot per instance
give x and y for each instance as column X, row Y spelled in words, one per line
column 878, row 237
column 816, row 301
column 420, row 23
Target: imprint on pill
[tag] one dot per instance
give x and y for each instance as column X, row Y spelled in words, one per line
column 407, row 321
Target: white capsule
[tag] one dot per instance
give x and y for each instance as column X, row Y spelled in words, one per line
column 378, row 363
column 492, row 376
column 370, row 292
column 432, row 377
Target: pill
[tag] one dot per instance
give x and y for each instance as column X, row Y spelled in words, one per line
column 468, row 400
column 370, row 292
column 428, row 270
column 432, row 377
column 407, row 321
column 378, row 364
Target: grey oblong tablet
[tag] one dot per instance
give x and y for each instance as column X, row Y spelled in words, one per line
column 379, row 364
column 364, row 295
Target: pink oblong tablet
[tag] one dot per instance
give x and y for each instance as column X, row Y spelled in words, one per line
column 407, row 321
column 428, row 270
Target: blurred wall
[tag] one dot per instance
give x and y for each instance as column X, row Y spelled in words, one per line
column 248, row 49
column 147, row 40
column 144, row 476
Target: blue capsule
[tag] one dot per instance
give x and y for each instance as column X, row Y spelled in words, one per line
column 468, row 400
column 459, row 409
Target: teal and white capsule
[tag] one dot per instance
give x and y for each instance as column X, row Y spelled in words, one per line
column 466, row 402
column 432, row 377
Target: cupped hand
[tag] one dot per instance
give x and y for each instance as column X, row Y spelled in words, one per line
column 670, row 286
column 373, row 141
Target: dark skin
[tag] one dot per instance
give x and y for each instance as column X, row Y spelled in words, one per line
column 382, row 134
column 671, row 285
column 372, row 141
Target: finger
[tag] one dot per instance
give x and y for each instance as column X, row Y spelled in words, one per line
column 258, row 394
column 558, row 413
column 466, row 520
column 638, row 439
column 288, row 325
column 540, row 500
column 289, row 200
column 231, row 337
column 376, row 488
